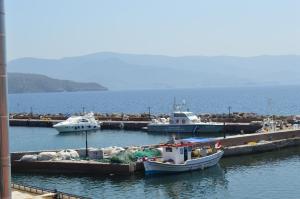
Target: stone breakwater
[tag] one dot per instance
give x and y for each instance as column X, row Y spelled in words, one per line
column 236, row 117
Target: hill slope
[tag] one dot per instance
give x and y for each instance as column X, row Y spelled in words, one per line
column 33, row 83
column 130, row 71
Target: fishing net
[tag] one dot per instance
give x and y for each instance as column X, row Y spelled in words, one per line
column 150, row 153
column 123, row 157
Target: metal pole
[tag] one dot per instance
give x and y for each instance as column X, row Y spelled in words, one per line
column 224, row 129
column 229, row 109
column 5, row 184
column 86, row 145
column 149, row 112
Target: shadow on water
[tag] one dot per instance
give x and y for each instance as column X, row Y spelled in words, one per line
column 76, row 133
column 188, row 185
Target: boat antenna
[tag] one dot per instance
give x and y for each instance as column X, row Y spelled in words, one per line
column 183, row 104
column 83, row 110
column 5, row 181
column 149, row 112
column 174, row 104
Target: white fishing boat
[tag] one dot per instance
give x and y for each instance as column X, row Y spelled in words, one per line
column 181, row 157
column 183, row 121
column 86, row 122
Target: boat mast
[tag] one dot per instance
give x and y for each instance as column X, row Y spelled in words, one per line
column 174, row 104
column 5, row 190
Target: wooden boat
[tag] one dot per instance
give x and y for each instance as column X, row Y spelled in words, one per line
column 178, row 158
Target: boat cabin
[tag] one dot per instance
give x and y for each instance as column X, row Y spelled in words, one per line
column 182, row 117
column 176, row 153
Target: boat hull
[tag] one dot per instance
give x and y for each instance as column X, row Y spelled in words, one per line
column 79, row 128
column 188, row 128
column 153, row 167
column 231, row 128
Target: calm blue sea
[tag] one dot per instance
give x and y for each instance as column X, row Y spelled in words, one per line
column 283, row 100
column 268, row 175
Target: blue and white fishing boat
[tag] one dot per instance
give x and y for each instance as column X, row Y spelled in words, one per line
column 181, row 157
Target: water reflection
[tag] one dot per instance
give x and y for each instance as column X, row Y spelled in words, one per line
column 188, row 185
column 74, row 133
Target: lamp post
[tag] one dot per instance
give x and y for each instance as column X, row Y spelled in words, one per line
column 5, row 190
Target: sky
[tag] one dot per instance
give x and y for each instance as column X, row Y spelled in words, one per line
column 63, row 28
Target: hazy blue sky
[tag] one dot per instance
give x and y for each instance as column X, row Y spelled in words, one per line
column 59, row 28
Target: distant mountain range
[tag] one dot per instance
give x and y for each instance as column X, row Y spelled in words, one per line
column 33, row 83
column 130, row 71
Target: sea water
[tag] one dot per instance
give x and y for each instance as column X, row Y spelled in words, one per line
column 267, row 175
column 263, row 100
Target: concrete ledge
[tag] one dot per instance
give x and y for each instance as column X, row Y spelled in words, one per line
column 72, row 167
column 260, row 147
column 257, row 137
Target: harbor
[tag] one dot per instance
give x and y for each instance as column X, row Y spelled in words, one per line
column 241, row 134
column 266, row 134
column 236, row 145
column 120, row 125
column 240, row 151
column 272, row 133
column 157, row 99
column 235, row 123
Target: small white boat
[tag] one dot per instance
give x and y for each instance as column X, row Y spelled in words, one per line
column 78, row 123
column 178, row 158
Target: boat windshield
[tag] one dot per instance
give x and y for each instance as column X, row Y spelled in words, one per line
column 186, row 114
column 179, row 115
column 189, row 114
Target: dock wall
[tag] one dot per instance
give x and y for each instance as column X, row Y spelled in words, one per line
column 260, row 147
column 68, row 166
column 32, row 122
column 72, row 167
column 257, row 137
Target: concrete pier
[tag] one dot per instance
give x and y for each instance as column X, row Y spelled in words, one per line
column 260, row 147
column 126, row 125
column 231, row 128
column 233, row 146
column 27, row 192
column 33, row 122
column 73, row 167
column 68, row 166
